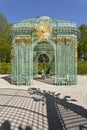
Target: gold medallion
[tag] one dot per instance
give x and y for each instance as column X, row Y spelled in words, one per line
column 43, row 31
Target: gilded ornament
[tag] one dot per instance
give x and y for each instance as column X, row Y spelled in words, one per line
column 28, row 40
column 68, row 40
column 59, row 40
column 43, row 31
column 19, row 40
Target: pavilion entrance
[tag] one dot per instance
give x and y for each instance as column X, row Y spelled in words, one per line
column 43, row 60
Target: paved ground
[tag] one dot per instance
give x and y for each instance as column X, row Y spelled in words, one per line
column 43, row 106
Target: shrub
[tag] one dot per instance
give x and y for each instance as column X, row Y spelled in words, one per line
column 82, row 67
column 5, row 68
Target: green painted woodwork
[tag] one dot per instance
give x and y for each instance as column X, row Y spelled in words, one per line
column 62, row 54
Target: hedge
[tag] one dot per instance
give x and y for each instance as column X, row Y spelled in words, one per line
column 5, row 68
column 82, row 67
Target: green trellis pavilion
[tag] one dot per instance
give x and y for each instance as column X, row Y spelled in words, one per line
column 46, row 44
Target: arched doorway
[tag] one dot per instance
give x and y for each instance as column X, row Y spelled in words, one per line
column 43, row 60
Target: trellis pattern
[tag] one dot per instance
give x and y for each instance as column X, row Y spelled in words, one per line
column 61, row 48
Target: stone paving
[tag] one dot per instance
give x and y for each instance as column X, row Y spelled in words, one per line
column 23, row 110
column 36, row 109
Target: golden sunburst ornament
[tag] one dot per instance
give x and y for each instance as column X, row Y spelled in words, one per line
column 43, row 31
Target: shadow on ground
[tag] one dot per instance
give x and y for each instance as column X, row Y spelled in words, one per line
column 7, row 78
column 7, row 126
column 34, row 109
column 61, row 114
column 48, row 80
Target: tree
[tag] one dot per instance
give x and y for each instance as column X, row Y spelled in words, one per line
column 3, row 22
column 82, row 47
column 5, row 39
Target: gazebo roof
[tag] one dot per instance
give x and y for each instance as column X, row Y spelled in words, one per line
column 53, row 22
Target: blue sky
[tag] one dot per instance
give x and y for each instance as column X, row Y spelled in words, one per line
column 71, row 10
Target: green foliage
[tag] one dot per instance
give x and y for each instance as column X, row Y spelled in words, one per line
column 46, row 68
column 82, row 46
column 40, row 66
column 82, row 67
column 5, row 68
column 5, row 39
column 82, row 50
column 3, row 22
